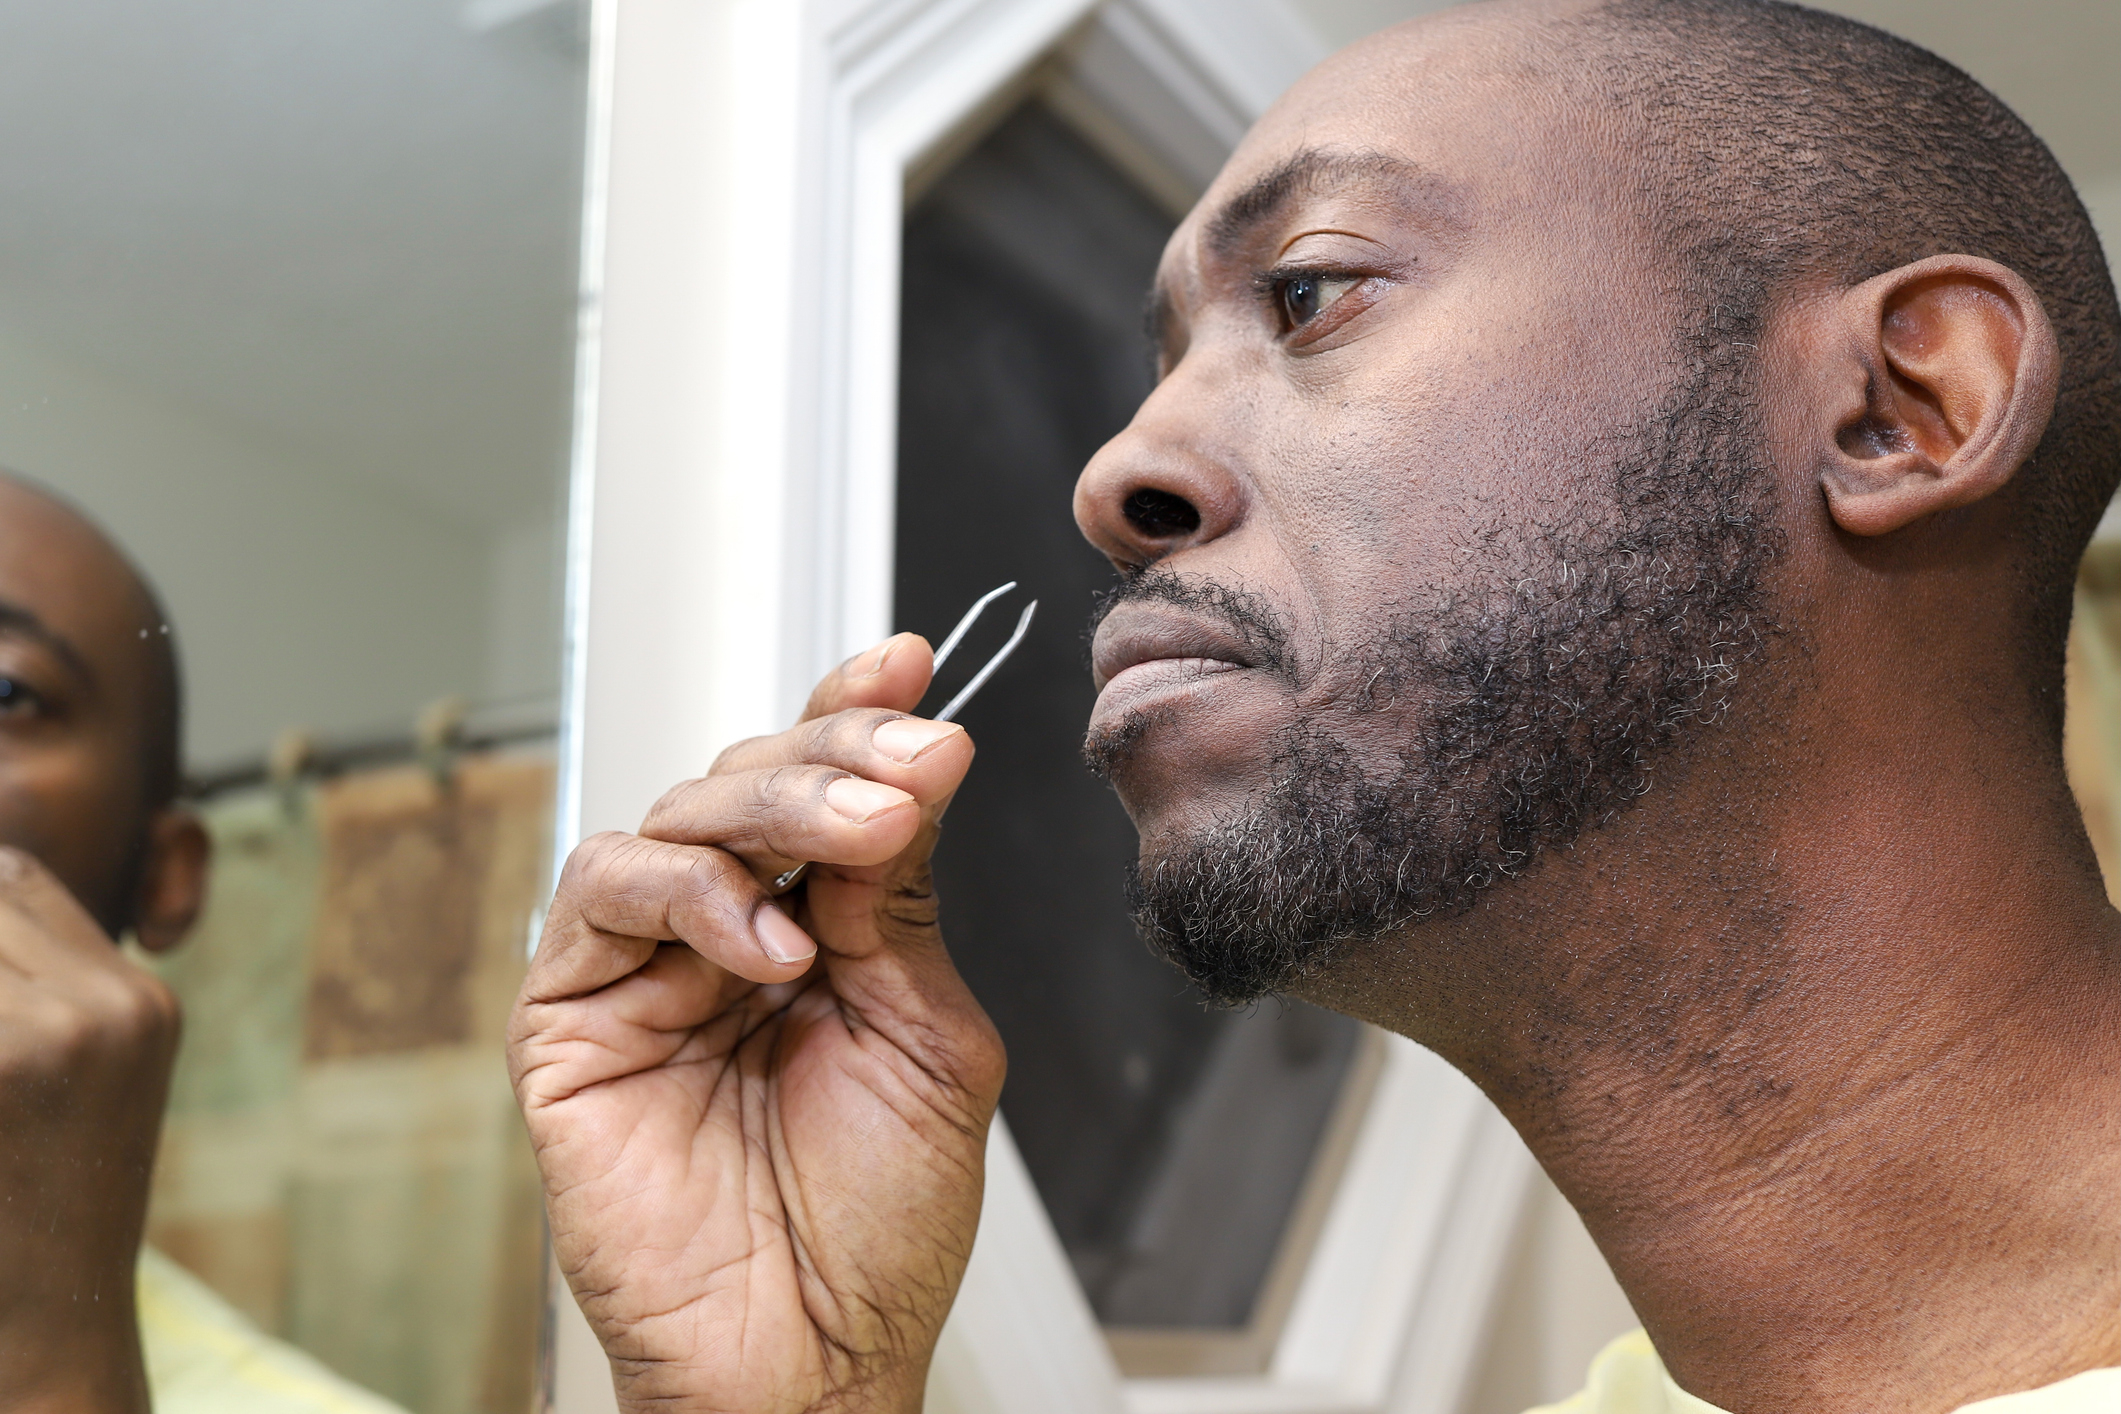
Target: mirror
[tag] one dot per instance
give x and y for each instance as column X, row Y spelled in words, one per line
column 287, row 304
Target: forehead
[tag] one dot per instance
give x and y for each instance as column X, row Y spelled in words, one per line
column 1472, row 116
column 59, row 571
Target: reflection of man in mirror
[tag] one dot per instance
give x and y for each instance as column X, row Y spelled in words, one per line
column 92, row 846
column 1594, row 574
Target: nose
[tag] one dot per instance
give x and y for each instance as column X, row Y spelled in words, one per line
column 1159, row 486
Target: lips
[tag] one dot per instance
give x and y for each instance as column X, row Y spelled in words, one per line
column 1146, row 650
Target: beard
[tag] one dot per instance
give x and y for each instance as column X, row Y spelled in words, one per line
column 1543, row 686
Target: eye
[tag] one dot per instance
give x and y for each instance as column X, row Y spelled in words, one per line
column 1305, row 294
column 18, row 698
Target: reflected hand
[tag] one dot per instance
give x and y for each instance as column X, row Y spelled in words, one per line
column 86, row 1044
column 763, row 1166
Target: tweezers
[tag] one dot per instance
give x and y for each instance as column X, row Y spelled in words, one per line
column 784, row 882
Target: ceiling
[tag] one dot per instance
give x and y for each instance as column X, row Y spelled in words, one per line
column 347, row 228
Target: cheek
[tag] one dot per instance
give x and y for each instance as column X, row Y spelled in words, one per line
column 26, row 815
column 1373, row 484
column 56, row 805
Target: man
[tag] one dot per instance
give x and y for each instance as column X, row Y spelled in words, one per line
column 92, row 846
column 1594, row 572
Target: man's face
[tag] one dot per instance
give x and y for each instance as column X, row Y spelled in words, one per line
column 73, row 683
column 1428, row 525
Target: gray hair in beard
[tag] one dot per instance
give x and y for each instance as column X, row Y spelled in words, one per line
column 1542, row 688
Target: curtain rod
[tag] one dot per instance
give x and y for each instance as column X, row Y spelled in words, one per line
column 295, row 757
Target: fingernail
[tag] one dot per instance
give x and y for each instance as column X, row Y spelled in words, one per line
column 861, row 800
column 903, row 739
column 869, row 663
column 780, row 938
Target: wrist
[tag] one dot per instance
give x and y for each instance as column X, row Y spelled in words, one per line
column 90, row 1374
column 667, row 1391
column 903, row 1391
column 73, row 1353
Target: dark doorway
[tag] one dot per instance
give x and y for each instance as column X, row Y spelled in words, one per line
column 1169, row 1141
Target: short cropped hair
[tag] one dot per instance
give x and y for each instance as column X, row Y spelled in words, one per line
column 1789, row 147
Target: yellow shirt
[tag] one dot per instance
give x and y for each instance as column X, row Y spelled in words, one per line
column 1628, row 1378
column 204, row 1357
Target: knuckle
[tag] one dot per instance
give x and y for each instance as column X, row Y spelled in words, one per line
column 670, row 806
column 67, row 1029
column 593, row 863
column 156, row 1002
column 983, row 1061
column 732, row 755
column 113, row 1017
column 713, row 872
column 587, row 855
column 135, row 1006
column 854, row 729
column 789, row 793
column 712, row 886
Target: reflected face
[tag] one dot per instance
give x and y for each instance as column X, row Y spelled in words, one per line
column 1440, row 525
column 75, row 677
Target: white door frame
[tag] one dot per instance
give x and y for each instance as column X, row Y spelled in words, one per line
column 732, row 537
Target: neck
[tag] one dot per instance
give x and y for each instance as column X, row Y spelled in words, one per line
column 1834, row 1088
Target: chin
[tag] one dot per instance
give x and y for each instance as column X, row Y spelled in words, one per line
column 1172, row 783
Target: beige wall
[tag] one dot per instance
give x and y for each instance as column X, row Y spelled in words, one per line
column 304, row 594
column 1557, row 1307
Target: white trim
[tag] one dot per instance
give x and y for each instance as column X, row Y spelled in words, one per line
column 1021, row 1338
column 1391, row 1308
column 840, row 102
column 733, row 536
column 581, row 451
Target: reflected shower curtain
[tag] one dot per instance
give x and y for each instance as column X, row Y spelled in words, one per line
column 342, row 1158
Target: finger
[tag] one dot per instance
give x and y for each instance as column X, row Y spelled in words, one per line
column 677, row 990
column 621, row 894
column 767, row 818
column 892, row 674
column 49, row 941
column 677, row 1007
column 925, row 758
column 905, row 987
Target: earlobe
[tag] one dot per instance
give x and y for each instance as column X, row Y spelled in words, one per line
column 173, row 885
column 1945, row 389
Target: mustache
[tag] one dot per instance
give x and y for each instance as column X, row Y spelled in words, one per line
column 1245, row 612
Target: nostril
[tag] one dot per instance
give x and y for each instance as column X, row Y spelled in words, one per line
column 1160, row 514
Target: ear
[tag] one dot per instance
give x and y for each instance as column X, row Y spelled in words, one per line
column 173, row 885
column 1942, row 390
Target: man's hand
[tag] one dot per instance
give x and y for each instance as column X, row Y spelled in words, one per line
column 86, row 1043
column 763, row 1157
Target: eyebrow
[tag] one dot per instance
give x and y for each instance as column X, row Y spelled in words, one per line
column 24, row 622
column 1305, row 174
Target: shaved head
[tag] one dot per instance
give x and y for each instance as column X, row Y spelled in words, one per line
column 90, row 702
column 158, row 731
column 1788, row 149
